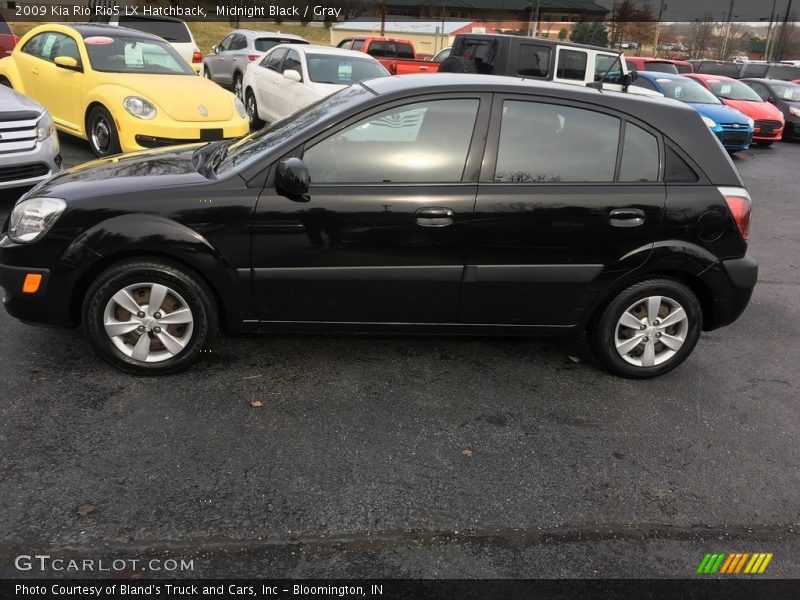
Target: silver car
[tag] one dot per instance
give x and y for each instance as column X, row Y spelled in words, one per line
column 29, row 150
column 228, row 60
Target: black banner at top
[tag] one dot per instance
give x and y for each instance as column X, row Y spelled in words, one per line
column 332, row 11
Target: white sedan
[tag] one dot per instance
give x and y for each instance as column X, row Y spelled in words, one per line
column 290, row 77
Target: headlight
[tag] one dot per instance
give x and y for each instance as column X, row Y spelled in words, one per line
column 751, row 122
column 45, row 127
column 139, row 108
column 794, row 111
column 711, row 124
column 240, row 108
column 32, row 218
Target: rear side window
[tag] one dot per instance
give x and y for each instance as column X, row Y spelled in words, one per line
column 547, row 143
column 639, row 155
column 677, row 170
column 239, row 43
column 380, row 49
column 571, row 65
column 405, row 51
column 661, row 67
column 533, row 61
column 172, row 31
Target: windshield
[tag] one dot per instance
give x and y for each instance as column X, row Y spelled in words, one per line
column 687, row 91
column 342, row 70
column 251, row 146
column 264, row 44
column 734, row 90
column 134, row 55
column 788, row 92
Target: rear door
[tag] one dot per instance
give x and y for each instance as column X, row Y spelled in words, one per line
column 560, row 209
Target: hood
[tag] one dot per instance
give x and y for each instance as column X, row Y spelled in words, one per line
column 14, row 102
column 180, row 96
column 719, row 113
column 138, row 171
column 756, row 110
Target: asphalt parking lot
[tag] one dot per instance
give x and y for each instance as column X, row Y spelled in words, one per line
column 418, row 457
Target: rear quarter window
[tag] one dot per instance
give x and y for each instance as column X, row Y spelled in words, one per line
column 533, row 61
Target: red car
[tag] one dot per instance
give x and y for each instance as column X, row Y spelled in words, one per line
column 661, row 65
column 768, row 118
column 7, row 38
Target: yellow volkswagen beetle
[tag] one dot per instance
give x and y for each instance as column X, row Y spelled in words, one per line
column 123, row 90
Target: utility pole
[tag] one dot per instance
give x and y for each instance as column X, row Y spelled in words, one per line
column 533, row 26
column 769, row 31
column 383, row 18
column 613, row 22
column 727, row 31
column 661, row 8
column 778, row 54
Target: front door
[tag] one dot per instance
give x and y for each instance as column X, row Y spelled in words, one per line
column 381, row 237
column 560, row 208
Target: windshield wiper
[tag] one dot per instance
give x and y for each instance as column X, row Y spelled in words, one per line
column 206, row 158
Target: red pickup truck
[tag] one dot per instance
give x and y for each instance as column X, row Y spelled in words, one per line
column 397, row 56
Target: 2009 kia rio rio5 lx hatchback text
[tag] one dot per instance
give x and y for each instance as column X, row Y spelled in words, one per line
column 433, row 203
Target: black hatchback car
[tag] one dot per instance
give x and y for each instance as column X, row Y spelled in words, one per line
column 434, row 204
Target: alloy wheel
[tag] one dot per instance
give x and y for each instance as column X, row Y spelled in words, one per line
column 651, row 331
column 101, row 135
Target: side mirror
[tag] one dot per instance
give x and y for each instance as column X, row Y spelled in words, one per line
column 67, row 62
column 292, row 75
column 292, row 179
column 629, row 78
column 214, row 49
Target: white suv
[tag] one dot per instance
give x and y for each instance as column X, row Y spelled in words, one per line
column 174, row 31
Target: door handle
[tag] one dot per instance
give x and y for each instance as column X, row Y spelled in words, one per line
column 626, row 217
column 35, row 71
column 434, row 217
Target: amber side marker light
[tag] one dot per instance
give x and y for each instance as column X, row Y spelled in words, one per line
column 31, row 283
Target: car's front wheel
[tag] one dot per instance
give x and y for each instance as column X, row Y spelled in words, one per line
column 251, row 107
column 102, row 132
column 149, row 317
column 648, row 328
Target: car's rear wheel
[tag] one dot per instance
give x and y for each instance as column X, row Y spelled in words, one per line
column 237, row 85
column 251, row 107
column 102, row 132
column 648, row 328
column 149, row 317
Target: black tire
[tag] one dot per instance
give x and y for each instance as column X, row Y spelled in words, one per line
column 457, row 64
column 102, row 132
column 207, row 73
column 603, row 333
column 764, row 143
column 251, row 107
column 237, row 86
column 189, row 289
column 5, row 82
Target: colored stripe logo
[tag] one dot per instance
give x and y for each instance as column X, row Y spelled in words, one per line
column 734, row 564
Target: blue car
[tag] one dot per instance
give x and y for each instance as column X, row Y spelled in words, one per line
column 734, row 129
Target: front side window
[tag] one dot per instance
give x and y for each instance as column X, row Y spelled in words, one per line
column 547, row 143
column 533, row 61
column 607, row 68
column 571, row 65
column 425, row 142
column 274, row 59
column 292, row 63
column 50, row 44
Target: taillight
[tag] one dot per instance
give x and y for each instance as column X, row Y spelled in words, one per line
column 253, row 57
column 739, row 205
column 197, row 56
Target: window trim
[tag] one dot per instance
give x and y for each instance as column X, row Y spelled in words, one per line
column 475, row 152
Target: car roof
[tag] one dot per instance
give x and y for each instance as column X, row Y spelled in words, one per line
column 707, row 76
column 539, row 40
column 766, row 81
column 327, row 50
column 267, row 34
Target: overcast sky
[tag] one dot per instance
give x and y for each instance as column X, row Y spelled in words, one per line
column 743, row 10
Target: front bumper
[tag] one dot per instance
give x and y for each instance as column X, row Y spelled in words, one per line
column 23, row 169
column 136, row 134
column 731, row 283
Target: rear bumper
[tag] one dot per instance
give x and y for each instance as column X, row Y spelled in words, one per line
column 731, row 283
